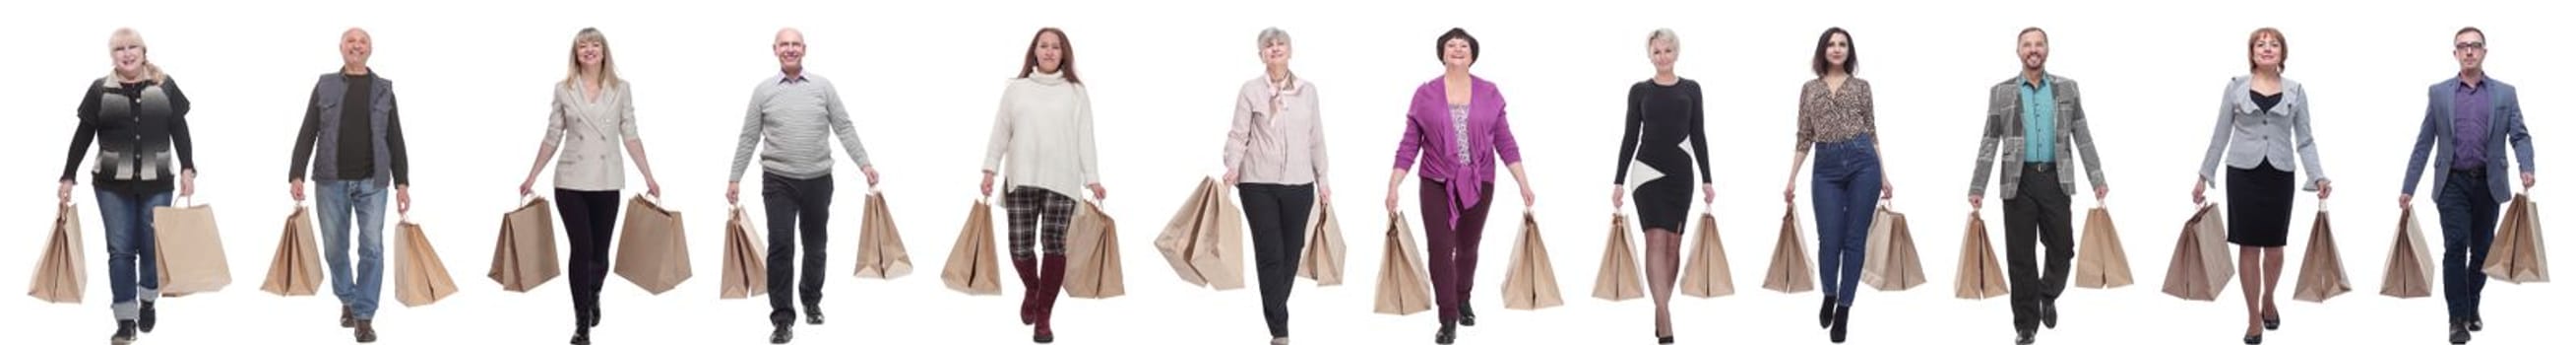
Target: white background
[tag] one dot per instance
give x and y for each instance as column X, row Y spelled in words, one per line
column 925, row 77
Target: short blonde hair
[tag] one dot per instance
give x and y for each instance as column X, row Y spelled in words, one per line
column 126, row 36
column 607, row 61
column 1667, row 36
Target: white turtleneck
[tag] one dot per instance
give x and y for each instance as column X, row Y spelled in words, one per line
column 1044, row 128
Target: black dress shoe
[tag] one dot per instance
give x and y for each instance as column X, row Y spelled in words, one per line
column 1448, row 334
column 2024, row 338
column 1466, row 315
column 348, row 318
column 144, row 321
column 594, row 317
column 580, row 339
column 1842, row 323
column 813, row 316
column 2048, row 314
column 1825, row 314
column 2254, row 339
column 782, row 335
column 2476, row 324
column 2459, row 332
column 366, row 332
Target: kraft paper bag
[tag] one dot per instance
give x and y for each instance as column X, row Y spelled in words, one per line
column 296, row 270
column 1618, row 279
column 1204, row 240
column 881, row 251
column 1892, row 264
column 420, row 276
column 1403, row 287
column 2410, row 261
column 191, row 251
column 654, row 252
column 2201, row 266
column 2321, row 269
column 2101, row 262
column 1324, row 256
column 1789, row 271
column 1706, row 273
column 746, row 271
column 2518, row 256
column 973, row 267
column 1531, row 282
column 62, row 271
column 1095, row 270
column 1980, row 276
column 524, row 255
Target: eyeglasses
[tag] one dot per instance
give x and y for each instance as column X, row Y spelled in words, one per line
column 2469, row 45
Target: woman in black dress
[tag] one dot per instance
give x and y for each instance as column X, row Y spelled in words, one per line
column 1662, row 112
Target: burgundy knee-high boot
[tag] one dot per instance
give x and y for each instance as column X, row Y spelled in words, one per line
column 1028, row 269
column 1052, row 281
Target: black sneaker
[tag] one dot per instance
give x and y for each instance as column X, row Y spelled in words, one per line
column 813, row 315
column 124, row 333
column 144, row 322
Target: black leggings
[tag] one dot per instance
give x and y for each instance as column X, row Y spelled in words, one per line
column 590, row 222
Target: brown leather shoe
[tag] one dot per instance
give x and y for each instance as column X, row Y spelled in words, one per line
column 366, row 331
column 348, row 318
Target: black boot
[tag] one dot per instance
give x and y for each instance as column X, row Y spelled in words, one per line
column 1842, row 323
column 1825, row 314
column 1466, row 315
column 1448, row 334
column 124, row 333
column 144, row 321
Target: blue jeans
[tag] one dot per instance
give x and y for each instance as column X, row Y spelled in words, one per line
column 339, row 200
column 131, row 274
column 2468, row 228
column 1846, row 193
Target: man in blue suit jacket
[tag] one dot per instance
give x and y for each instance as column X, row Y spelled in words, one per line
column 2472, row 119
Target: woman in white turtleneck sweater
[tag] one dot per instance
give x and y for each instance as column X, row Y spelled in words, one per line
column 1044, row 129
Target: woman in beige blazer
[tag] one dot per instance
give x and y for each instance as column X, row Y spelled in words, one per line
column 592, row 117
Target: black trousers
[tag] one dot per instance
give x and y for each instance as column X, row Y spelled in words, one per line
column 2037, row 215
column 1277, row 214
column 2468, row 212
column 590, row 223
column 798, row 209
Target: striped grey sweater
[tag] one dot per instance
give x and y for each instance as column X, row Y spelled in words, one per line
column 791, row 115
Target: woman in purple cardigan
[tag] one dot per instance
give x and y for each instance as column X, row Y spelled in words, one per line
column 1457, row 126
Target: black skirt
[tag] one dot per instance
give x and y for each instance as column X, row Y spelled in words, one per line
column 2258, row 203
column 1663, row 203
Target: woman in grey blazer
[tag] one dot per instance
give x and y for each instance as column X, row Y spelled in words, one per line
column 2266, row 115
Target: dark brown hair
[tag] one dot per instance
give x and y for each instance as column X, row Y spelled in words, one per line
column 1474, row 51
column 1851, row 52
column 2276, row 36
column 2464, row 30
column 1065, row 63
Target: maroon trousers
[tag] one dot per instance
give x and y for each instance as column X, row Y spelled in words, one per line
column 1453, row 248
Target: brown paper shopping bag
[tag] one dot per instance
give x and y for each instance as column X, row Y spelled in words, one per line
column 1980, row 276
column 1789, row 271
column 2101, row 262
column 746, row 271
column 62, row 271
column 881, row 251
column 2321, row 269
column 420, row 276
column 524, row 255
column 296, row 270
column 654, row 253
column 1892, row 264
column 191, row 251
column 973, row 267
column 1530, row 284
column 1706, row 273
column 1403, row 287
column 1324, row 255
column 1618, row 279
column 2201, row 266
column 1096, row 270
column 1204, row 240
column 2410, row 261
column 2518, row 255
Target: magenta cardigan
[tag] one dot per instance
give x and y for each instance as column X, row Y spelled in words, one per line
column 1430, row 137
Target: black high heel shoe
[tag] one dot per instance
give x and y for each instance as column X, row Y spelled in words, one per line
column 1448, row 334
column 2254, row 339
column 2272, row 323
column 1664, row 340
